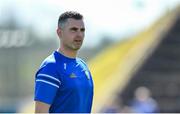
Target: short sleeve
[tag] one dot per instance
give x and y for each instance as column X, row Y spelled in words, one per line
column 47, row 83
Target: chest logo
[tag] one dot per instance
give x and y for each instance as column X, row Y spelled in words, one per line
column 65, row 66
column 72, row 75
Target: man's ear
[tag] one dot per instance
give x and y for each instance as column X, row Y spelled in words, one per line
column 59, row 32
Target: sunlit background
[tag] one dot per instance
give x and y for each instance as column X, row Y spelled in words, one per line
column 121, row 48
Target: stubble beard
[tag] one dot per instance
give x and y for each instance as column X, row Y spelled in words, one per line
column 74, row 46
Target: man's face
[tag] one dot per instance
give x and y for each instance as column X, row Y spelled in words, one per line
column 72, row 34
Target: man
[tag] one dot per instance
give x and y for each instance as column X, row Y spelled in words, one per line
column 143, row 102
column 63, row 83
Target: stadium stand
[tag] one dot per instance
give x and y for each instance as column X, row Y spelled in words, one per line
column 160, row 72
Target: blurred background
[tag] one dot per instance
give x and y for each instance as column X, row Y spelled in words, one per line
column 131, row 46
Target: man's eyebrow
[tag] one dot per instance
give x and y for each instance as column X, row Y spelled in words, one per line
column 73, row 28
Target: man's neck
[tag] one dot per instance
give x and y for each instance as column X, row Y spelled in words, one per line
column 67, row 53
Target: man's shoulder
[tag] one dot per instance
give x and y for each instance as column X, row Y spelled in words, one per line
column 48, row 66
column 81, row 61
column 50, row 61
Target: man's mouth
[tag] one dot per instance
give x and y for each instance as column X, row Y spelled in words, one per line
column 78, row 41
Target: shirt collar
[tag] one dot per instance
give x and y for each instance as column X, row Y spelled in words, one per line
column 60, row 56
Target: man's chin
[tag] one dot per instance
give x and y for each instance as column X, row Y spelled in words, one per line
column 76, row 48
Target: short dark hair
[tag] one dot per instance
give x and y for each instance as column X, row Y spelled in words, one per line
column 66, row 15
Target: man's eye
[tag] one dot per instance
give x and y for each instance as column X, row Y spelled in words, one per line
column 82, row 30
column 74, row 29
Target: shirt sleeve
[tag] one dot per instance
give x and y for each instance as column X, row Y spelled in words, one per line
column 47, row 83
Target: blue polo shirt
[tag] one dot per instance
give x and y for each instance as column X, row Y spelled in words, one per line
column 65, row 84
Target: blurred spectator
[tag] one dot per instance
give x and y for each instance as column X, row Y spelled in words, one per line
column 126, row 109
column 143, row 102
column 112, row 106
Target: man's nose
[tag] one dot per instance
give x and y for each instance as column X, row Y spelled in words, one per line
column 80, row 34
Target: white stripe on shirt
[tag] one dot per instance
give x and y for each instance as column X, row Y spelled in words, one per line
column 38, row 80
column 45, row 75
